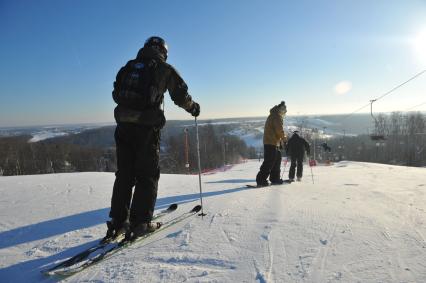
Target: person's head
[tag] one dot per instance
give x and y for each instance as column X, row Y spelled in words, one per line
column 296, row 133
column 279, row 109
column 282, row 108
column 158, row 44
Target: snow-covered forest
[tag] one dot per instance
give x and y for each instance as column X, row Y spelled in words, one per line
column 57, row 150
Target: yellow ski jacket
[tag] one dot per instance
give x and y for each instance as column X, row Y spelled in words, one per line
column 274, row 132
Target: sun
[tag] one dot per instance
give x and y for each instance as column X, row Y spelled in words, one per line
column 419, row 45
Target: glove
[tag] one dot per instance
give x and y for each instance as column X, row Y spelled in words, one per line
column 195, row 109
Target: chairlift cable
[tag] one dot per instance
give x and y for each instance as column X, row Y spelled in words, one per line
column 387, row 93
column 409, row 109
column 407, row 81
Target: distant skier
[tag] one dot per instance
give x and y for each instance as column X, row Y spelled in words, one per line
column 139, row 92
column 273, row 138
column 296, row 148
column 326, row 147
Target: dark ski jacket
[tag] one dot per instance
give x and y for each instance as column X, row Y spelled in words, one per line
column 296, row 146
column 135, row 107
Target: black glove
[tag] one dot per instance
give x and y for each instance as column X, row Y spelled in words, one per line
column 195, row 109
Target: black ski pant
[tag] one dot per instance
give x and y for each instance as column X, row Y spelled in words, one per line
column 271, row 164
column 137, row 149
column 296, row 162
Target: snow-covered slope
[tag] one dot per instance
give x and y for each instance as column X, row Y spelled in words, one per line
column 358, row 222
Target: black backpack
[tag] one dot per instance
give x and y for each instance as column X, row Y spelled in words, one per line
column 136, row 85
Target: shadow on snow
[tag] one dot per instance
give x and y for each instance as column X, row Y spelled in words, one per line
column 30, row 270
column 232, row 181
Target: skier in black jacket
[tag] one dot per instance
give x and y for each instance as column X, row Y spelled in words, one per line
column 139, row 92
column 295, row 148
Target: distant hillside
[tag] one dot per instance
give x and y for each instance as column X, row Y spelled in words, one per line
column 98, row 138
column 335, row 124
column 354, row 124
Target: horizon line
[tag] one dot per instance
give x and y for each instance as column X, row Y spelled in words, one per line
column 204, row 119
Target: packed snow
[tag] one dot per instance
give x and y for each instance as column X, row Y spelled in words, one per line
column 348, row 222
column 44, row 135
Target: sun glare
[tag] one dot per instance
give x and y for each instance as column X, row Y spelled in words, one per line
column 343, row 87
column 420, row 47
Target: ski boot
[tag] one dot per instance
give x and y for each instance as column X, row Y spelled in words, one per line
column 260, row 182
column 141, row 229
column 277, row 182
column 299, row 179
column 115, row 230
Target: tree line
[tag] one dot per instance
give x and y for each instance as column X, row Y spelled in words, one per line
column 398, row 138
column 217, row 148
column 91, row 151
column 20, row 157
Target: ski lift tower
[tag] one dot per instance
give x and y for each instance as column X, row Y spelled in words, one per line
column 375, row 136
column 314, row 137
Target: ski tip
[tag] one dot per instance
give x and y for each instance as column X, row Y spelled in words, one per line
column 172, row 207
column 196, row 208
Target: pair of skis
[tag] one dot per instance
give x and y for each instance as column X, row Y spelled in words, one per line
column 106, row 249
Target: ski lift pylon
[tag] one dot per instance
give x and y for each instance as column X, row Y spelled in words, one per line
column 375, row 136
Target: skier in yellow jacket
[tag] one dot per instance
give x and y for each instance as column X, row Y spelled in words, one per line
column 274, row 138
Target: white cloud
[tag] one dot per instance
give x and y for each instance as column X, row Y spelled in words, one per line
column 343, row 87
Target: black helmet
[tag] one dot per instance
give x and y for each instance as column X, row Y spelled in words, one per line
column 158, row 43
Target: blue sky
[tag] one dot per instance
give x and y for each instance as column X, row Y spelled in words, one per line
column 239, row 58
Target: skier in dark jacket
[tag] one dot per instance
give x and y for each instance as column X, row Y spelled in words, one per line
column 139, row 92
column 296, row 148
column 273, row 138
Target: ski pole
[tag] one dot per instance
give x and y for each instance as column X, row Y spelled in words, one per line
column 312, row 174
column 199, row 168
